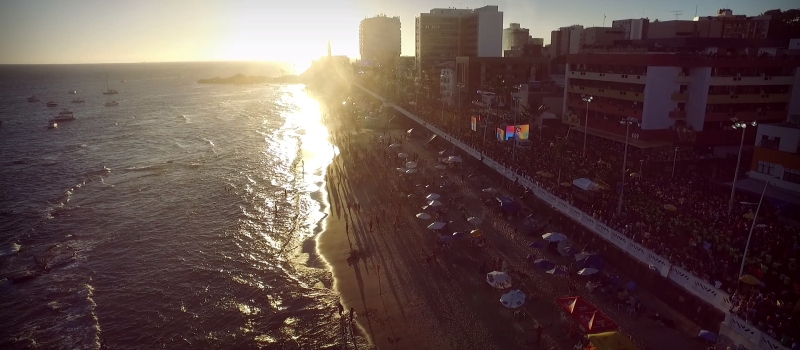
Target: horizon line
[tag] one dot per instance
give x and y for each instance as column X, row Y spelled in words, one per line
column 147, row 62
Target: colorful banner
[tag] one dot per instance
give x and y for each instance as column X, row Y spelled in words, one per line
column 522, row 132
column 509, row 132
column 473, row 123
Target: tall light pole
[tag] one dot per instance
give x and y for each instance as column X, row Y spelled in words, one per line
column 627, row 122
column 752, row 226
column 674, row 160
column 586, row 99
column 737, row 125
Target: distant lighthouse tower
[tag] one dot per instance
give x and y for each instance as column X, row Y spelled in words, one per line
column 329, row 48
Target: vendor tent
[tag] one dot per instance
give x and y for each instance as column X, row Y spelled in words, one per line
column 610, row 341
column 508, row 205
column 594, row 322
column 585, row 184
column 575, row 304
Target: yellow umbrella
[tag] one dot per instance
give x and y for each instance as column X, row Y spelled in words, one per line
column 749, row 279
column 749, row 216
column 476, row 233
column 670, row 207
column 547, row 175
column 565, row 184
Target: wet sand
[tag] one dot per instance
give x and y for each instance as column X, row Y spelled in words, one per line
column 405, row 301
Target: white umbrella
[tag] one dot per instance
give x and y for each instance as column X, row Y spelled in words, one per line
column 411, row 171
column 489, row 190
column 434, row 203
column 474, row 220
column 395, row 145
column 454, row 159
column 401, row 170
column 513, row 299
column 554, row 237
column 436, row 225
column 411, row 165
column 423, row 216
column 402, row 155
column 587, row 271
column 432, row 196
column 499, row 280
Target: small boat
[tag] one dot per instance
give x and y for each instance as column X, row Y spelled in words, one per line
column 78, row 100
column 52, row 124
column 64, row 116
column 108, row 90
column 52, row 104
column 33, row 98
column 73, row 92
column 112, row 104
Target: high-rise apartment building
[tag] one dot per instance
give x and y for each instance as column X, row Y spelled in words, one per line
column 444, row 34
column 681, row 97
column 635, row 29
column 379, row 40
column 515, row 37
column 566, row 40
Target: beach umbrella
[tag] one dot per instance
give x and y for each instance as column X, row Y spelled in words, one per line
column 558, row 270
column 411, row 165
column 459, row 234
column 436, row 225
column 445, row 239
column 441, row 167
column 513, row 299
column 587, row 271
column 554, row 237
column 635, row 175
column 489, row 190
column 749, row 216
column 411, row 171
column 476, row 233
column 401, row 170
column 432, row 196
column 474, row 220
column 402, row 155
column 670, row 207
column 498, row 279
column 535, row 245
column 423, row 216
column 708, row 335
column 749, row 279
column 544, row 264
column 395, row 145
column 434, row 203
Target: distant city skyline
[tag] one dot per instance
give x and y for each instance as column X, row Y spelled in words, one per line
column 92, row 31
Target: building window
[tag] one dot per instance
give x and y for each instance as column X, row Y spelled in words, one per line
column 767, row 168
column 791, row 175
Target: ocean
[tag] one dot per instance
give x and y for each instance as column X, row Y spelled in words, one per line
column 184, row 217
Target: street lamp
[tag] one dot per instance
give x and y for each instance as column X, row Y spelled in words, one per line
column 738, row 125
column 752, row 226
column 586, row 99
column 674, row 160
column 627, row 122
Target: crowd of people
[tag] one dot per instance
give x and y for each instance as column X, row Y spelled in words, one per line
column 684, row 217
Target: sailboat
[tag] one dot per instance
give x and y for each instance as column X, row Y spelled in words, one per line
column 109, row 91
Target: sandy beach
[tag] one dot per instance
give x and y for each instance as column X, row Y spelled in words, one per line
column 410, row 293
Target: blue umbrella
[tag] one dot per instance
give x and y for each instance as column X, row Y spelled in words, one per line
column 445, row 239
column 707, row 335
column 544, row 264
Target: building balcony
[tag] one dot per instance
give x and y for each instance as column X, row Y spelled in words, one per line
column 680, row 96
column 579, row 105
column 746, row 115
column 677, row 114
column 619, row 78
column 759, row 80
column 622, row 95
column 749, row 98
column 683, row 79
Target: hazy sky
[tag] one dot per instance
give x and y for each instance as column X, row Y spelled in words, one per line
column 92, row 31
